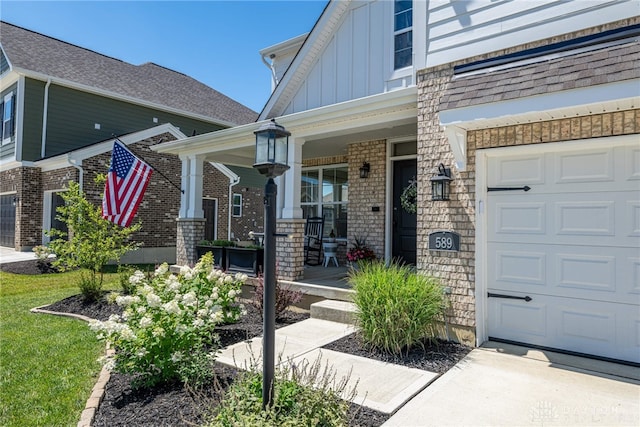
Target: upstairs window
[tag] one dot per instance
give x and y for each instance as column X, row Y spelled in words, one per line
column 402, row 34
column 8, row 113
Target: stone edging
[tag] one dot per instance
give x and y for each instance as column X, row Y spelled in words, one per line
column 97, row 393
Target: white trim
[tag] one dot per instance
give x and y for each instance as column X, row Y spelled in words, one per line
column 557, row 105
column 46, row 212
column 481, row 216
column 62, row 160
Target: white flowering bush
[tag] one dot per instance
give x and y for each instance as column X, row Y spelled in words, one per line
column 168, row 323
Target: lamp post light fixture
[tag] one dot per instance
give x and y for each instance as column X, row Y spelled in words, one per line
column 440, row 184
column 364, row 170
column 272, row 146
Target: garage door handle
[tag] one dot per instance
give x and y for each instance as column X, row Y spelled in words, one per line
column 525, row 188
column 491, row 295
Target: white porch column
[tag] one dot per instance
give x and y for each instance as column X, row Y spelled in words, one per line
column 292, row 180
column 192, row 175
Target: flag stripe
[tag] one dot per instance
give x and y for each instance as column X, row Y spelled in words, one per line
column 126, row 184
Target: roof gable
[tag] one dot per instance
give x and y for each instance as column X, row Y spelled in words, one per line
column 36, row 54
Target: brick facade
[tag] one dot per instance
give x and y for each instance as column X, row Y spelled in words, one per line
column 367, row 193
column 457, row 270
column 158, row 211
column 290, row 250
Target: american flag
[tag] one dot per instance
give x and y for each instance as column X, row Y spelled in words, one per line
column 127, row 181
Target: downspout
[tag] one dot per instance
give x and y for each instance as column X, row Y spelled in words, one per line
column 274, row 77
column 73, row 163
column 232, row 182
column 44, row 118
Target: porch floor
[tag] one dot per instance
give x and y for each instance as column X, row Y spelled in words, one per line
column 334, row 277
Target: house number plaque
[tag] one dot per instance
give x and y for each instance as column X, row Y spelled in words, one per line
column 444, row 241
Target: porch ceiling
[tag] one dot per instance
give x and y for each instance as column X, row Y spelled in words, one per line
column 326, row 131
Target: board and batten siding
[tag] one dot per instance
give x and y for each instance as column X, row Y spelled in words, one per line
column 33, row 108
column 72, row 116
column 356, row 60
column 464, row 29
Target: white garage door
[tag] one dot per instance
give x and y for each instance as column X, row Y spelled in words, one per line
column 564, row 257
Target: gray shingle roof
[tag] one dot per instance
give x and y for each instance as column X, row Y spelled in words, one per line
column 605, row 65
column 148, row 82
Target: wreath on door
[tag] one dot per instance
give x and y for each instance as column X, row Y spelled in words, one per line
column 409, row 197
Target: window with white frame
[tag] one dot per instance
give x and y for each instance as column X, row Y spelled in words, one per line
column 325, row 192
column 8, row 114
column 402, row 34
column 236, row 209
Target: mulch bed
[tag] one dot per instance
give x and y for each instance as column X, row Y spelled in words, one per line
column 176, row 405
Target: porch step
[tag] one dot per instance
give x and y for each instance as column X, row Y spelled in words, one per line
column 335, row 311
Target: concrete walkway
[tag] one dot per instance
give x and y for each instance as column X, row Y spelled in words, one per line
column 8, row 255
column 497, row 386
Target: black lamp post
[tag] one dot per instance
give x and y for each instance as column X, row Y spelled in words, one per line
column 440, row 184
column 272, row 141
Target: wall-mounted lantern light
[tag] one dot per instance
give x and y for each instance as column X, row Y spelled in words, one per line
column 272, row 146
column 364, row 170
column 14, row 201
column 440, row 184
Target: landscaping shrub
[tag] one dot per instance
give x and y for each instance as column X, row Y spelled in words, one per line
column 396, row 307
column 306, row 394
column 168, row 323
column 285, row 296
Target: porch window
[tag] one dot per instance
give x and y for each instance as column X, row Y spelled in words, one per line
column 325, row 192
column 403, row 34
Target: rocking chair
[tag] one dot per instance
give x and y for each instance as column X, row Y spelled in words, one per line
column 313, row 240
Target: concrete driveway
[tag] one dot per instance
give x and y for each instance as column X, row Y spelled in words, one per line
column 504, row 385
column 8, row 255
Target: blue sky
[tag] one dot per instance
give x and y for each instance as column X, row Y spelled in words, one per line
column 215, row 42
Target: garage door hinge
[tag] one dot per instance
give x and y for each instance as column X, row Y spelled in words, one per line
column 525, row 188
column 492, row 295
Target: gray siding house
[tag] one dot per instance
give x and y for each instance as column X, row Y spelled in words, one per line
column 62, row 106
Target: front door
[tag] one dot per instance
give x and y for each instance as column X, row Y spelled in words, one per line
column 404, row 223
column 210, row 213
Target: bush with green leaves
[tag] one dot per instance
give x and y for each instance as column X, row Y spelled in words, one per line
column 396, row 307
column 305, row 394
column 166, row 330
column 90, row 242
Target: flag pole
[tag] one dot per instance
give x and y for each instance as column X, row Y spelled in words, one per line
column 150, row 165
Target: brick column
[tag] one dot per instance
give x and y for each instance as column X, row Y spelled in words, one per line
column 290, row 251
column 190, row 232
column 29, row 209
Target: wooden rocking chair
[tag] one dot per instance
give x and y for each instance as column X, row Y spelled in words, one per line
column 313, row 231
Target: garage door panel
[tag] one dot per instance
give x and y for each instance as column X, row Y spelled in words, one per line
column 632, row 156
column 523, row 170
column 514, row 319
column 584, row 167
column 521, row 267
column 632, row 270
column 520, row 218
column 633, row 219
column 586, row 272
column 585, row 218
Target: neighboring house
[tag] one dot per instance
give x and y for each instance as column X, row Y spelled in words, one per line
column 509, row 95
column 62, row 106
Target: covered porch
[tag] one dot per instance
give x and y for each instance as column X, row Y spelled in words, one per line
column 326, row 150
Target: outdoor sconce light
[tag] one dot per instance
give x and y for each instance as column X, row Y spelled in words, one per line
column 272, row 146
column 14, row 201
column 440, row 184
column 364, row 170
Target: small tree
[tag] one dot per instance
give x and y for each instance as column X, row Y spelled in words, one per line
column 90, row 242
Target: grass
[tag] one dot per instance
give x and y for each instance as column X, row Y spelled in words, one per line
column 48, row 364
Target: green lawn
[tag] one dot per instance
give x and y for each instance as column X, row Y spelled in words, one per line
column 48, row 364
